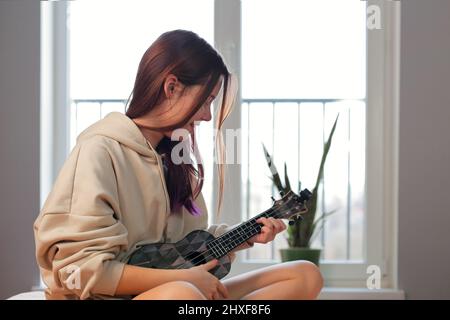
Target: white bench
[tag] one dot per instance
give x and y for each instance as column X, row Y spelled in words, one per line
column 31, row 295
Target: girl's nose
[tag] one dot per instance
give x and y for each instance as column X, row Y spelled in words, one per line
column 206, row 114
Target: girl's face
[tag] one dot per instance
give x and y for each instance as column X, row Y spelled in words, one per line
column 188, row 99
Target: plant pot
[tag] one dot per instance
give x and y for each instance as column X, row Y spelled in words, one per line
column 297, row 253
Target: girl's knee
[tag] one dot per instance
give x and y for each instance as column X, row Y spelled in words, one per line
column 306, row 267
column 310, row 273
column 186, row 290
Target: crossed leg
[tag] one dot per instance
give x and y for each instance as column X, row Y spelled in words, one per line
column 292, row 280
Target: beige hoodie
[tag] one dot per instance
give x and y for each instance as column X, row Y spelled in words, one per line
column 109, row 196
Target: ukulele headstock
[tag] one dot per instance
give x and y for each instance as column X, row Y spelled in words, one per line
column 291, row 205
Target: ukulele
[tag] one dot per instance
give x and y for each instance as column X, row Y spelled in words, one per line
column 199, row 246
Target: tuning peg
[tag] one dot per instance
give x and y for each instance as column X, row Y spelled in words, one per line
column 306, row 194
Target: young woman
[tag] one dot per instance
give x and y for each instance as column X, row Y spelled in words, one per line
column 120, row 187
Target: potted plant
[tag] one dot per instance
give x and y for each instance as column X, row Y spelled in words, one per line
column 301, row 232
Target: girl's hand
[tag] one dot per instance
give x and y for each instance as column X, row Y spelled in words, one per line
column 269, row 230
column 208, row 284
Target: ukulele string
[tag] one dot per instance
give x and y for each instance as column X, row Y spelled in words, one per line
column 217, row 246
column 192, row 261
column 266, row 213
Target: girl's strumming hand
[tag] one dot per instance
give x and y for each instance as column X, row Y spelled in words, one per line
column 208, row 284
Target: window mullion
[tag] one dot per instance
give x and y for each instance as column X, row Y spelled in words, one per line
column 227, row 30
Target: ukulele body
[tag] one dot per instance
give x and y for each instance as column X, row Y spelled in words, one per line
column 188, row 252
column 197, row 247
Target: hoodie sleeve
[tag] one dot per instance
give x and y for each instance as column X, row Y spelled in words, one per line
column 78, row 235
column 218, row 229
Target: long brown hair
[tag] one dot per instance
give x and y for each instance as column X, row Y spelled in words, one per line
column 194, row 62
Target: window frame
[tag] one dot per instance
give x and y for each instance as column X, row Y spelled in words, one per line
column 54, row 102
column 383, row 48
column 54, row 92
column 381, row 147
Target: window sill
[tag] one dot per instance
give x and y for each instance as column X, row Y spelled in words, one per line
column 361, row 294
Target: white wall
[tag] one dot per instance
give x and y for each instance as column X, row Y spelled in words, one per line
column 424, row 159
column 19, row 143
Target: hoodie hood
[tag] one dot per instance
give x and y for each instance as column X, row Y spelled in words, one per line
column 121, row 128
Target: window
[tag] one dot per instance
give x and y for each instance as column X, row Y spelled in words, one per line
column 105, row 50
column 300, row 63
column 303, row 62
column 328, row 59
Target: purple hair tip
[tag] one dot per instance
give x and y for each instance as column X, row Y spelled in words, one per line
column 194, row 209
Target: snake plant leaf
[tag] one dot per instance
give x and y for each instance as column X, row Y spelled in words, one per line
column 286, row 179
column 273, row 170
column 309, row 227
column 323, row 216
column 326, row 148
column 315, row 224
column 302, row 232
column 315, row 234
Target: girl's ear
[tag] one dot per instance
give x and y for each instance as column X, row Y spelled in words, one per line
column 170, row 85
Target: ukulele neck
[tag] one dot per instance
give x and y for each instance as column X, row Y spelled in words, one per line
column 233, row 238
